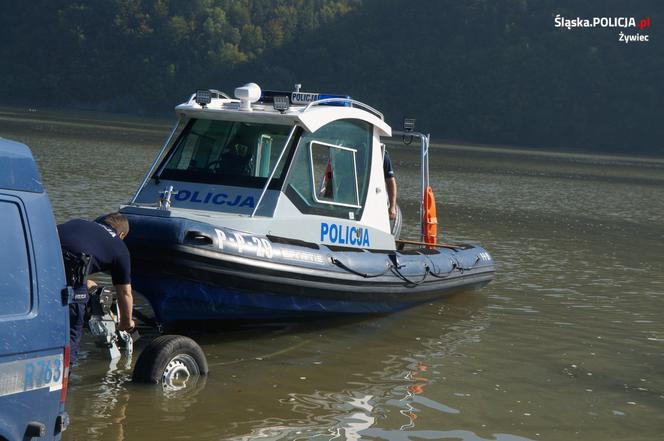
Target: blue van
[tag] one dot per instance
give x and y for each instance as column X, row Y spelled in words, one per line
column 34, row 329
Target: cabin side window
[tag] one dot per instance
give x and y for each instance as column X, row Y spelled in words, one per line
column 330, row 171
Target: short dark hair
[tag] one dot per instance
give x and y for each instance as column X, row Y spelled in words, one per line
column 118, row 221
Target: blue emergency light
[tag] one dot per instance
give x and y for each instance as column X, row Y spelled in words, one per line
column 301, row 98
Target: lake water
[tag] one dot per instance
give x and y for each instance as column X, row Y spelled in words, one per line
column 567, row 343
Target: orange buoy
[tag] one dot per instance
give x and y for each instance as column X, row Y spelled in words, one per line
column 430, row 221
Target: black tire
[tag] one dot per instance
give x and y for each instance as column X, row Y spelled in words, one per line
column 170, row 360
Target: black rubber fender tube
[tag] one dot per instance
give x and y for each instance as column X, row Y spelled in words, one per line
column 343, row 266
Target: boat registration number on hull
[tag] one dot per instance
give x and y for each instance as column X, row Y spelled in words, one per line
column 31, row 374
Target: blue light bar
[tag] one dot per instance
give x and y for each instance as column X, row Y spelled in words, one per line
column 303, row 98
column 324, row 96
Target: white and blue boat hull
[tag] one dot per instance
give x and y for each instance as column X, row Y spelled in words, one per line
column 192, row 271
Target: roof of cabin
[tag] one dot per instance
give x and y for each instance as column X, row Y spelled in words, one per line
column 311, row 116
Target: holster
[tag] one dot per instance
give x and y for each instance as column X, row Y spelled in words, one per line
column 77, row 267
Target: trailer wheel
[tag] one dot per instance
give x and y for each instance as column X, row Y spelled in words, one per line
column 172, row 360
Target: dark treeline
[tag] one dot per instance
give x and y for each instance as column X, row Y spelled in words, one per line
column 475, row 71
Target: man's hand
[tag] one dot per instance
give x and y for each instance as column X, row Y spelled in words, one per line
column 126, row 305
column 393, row 212
column 126, row 325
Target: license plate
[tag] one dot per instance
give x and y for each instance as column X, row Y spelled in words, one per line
column 31, row 374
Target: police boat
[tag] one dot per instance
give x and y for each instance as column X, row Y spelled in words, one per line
column 273, row 205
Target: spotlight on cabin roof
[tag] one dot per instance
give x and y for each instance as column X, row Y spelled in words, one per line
column 203, row 97
column 409, row 124
column 247, row 94
column 281, row 102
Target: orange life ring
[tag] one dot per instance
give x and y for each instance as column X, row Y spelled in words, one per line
column 430, row 221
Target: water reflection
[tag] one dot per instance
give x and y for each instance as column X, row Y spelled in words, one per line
column 463, row 435
column 105, row 408
column 387, row 398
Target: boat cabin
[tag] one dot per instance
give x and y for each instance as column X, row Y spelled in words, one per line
column 295, row 165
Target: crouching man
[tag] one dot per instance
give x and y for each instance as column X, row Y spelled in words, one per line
column 100, row 244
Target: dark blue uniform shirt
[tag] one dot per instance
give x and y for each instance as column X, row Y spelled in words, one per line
column 109, row 253
column 387, row 166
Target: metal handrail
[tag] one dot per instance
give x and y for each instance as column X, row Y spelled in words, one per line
column 220, row 94
column 345, row 100
column 424, row 168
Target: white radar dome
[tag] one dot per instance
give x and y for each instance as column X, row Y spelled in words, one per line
column 247, row 94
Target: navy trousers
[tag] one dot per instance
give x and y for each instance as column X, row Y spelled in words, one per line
column 76, row 321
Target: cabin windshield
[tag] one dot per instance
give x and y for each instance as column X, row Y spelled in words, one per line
column 227, row 153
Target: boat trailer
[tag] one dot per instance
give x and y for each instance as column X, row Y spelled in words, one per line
column 173, row 361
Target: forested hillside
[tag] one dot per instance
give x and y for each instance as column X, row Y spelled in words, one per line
column 476, row 71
